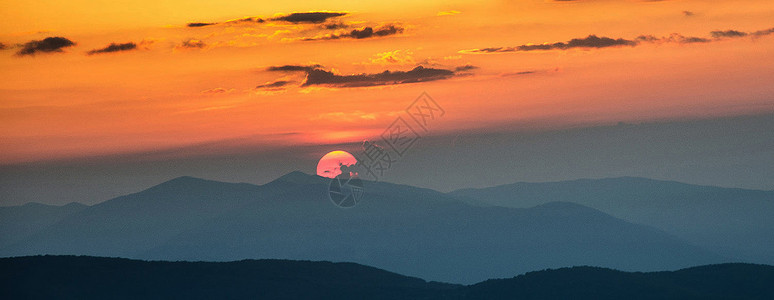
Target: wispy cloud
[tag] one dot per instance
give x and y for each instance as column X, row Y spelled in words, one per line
column 312, row 17
column 274, row 86
column 113, row 47
column 334, row 25
column 465, row 68
column 360, row 33
column 520, row 73
column 317, row 76
column 418, row 74
column 727, row 33
column 200, row 24
column 591, row 41
column 673, row 38
column 595, row 42
column 216, row 91
column 763, row 32
column 293, row 68
column 191, row 44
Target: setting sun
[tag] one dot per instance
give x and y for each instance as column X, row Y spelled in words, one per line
column 330, row 164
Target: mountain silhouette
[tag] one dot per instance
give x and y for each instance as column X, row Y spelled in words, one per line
column 413, row 231
column 724, row 281
column 82, row 277
column 736, row 223
column 20, row 222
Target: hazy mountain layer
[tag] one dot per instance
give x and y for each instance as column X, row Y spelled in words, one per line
column 736, row 223
column 409, row 230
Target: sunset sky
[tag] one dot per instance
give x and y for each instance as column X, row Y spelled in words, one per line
column 189, row 72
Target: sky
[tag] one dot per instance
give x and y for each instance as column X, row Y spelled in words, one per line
column 96, row 79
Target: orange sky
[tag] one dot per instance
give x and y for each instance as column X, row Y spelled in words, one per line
column 162, row 94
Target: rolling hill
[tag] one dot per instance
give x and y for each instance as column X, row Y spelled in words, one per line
column 736, row 223
column 82, row 277
column 413, row 231
column 20, row 222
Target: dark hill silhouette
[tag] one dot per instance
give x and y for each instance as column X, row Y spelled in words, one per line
column 413, row 231
column 724, row 281
column 81, row 277
column 733, row 222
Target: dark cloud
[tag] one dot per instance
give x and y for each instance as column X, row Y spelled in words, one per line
column 673, row 38
column 113, row 47
column 362, row 33
column 200, row 24
column 763, row 32
column 465, row 68
column 192, row 44
column 47, row 45
column 247, row 20
column 648, row 38
column 316, row 75
column 296, row 18
column 518, row 73
column 591, row 41
column 309, row 17
column 418, row 74
column 313, row 17
column 294, row 68
column 688, row 13
column 728, row 34
column 3, row 46
column 492, row 50
column 236, row 21
column 369, row 32
column 215, row 91
column 334, row 25
column 274, row 85
column 693, row 39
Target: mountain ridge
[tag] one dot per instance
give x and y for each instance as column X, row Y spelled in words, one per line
column 731, row 221
column 604, row 179
column 416, row 231
column 86, row 277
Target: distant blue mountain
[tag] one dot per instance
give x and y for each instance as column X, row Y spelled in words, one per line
column 413, row 231
column 82, row 277
column 20, row 222
column 736, row 223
